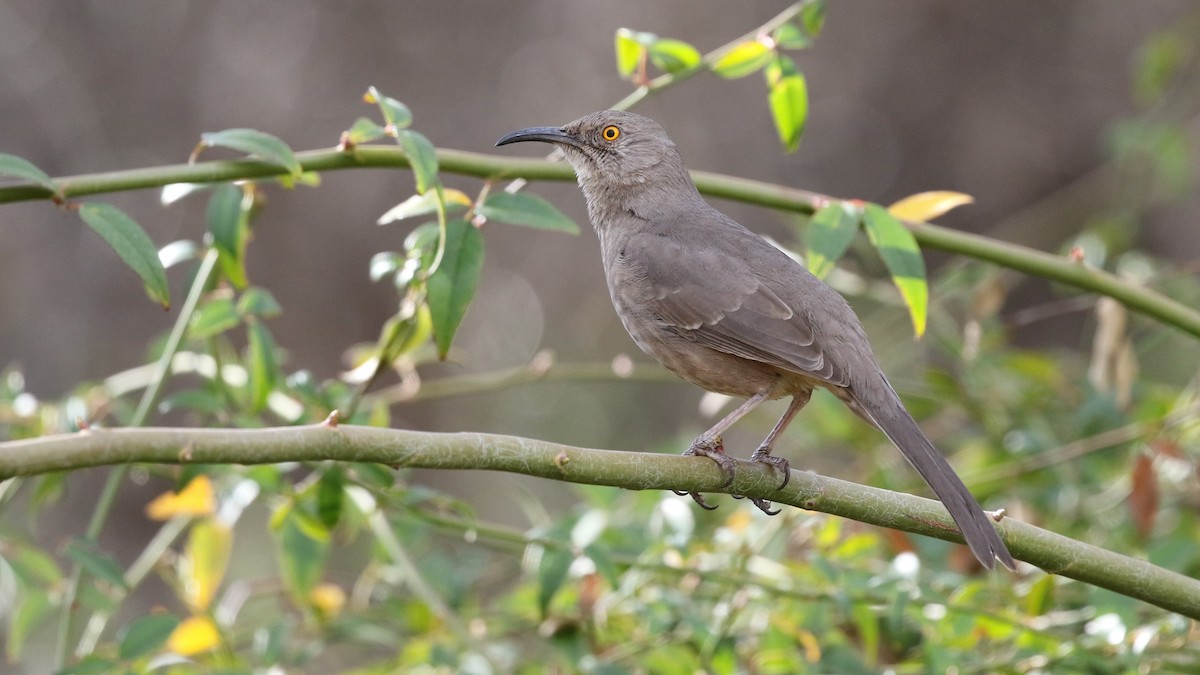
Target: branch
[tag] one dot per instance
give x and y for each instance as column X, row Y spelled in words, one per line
column 1012, row 256
column 1053, row 553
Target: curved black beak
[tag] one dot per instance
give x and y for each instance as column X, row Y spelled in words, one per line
column 543, row 134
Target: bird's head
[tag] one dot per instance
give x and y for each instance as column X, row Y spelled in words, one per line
column 611, row 149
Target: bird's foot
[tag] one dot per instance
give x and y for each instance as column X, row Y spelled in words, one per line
column 763, row 454
column 713, row 449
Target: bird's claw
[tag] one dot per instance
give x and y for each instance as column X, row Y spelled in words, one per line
column 698, row 498
column 763, row 454
column 714, row 450
column 764, row 506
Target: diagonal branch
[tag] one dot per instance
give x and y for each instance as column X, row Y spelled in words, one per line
column 630, row 470
column 1013, row 256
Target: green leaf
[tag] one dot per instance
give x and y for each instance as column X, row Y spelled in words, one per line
column 303, row 549
column 451, row 287
column 132, row 243
column 32, row 566
column 258, row 301
column 395, row 113
column 789, row 36
column 213, row 318
column 629, row 52
column 364, row 131
column 423, row 205
column 100, row 565
column 830, row 232
column 743, row 59
column 673, row 56
column 228, row 221
column 260, row 363
column 19, row 167
column 422, row 157
column 145, row 635
column 254, row 142
column 330, row 493
column 519, row 208
column 24, row 618
column 813, row 17
column 552, row 572
column 403, row 334
column 789, row 108
column 898, row 248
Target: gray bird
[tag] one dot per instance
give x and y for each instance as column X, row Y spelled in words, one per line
column 725, row 310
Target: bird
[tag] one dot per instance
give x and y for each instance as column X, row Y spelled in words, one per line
column 724, row 309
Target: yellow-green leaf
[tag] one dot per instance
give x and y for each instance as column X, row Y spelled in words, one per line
column 254, row 142
column 629, row 52
column 898, row 248
column 743, row 59
column 673, row 56
column 395, row 114
column 830, row 232
column 925, row 206
column 452, row 286
column 205, row 561
column 364, row 131
column 789, row 108
column 132, row 244
column 260, row 362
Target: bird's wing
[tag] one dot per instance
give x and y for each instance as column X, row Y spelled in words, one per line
column 714, row 297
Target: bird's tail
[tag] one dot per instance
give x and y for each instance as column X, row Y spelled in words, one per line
column 894, row 421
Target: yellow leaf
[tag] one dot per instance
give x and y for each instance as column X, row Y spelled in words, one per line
column 925, row 206
column 194, row 500
column 204, row 562
column 328, row 599
column 193, row 636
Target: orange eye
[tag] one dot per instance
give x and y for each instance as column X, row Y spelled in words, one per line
column 610, row 133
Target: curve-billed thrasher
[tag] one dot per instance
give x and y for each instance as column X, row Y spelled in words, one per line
column 725, row 310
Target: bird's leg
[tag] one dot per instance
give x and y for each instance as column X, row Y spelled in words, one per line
column 709, row 443
column 763, row 453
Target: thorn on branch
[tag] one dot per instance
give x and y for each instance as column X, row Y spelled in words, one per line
column 185, row 453
column 333, row 420
column 82, row 425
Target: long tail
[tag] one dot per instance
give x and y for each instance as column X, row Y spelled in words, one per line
column 894, row 421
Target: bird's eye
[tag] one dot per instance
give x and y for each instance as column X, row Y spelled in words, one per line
column 610, row 133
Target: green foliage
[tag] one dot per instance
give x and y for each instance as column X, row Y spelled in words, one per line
column 132, row 243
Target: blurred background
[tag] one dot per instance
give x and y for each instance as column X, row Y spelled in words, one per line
column 1020, row 104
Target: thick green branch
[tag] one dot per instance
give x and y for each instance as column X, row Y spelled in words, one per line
column 630, row 470
column 1013, row 256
